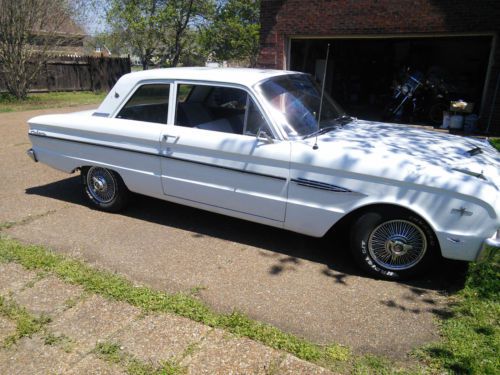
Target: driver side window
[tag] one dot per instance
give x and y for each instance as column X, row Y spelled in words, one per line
column 219, row 108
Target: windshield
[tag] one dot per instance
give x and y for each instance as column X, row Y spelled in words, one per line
column 295, row 100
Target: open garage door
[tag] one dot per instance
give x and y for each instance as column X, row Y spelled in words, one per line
column 363, row 72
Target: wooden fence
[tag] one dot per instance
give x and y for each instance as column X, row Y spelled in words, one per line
column 78, row 74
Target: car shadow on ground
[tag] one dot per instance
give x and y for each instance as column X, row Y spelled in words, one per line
column 287, row 249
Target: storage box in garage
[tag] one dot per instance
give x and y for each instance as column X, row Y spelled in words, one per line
column 461, row 107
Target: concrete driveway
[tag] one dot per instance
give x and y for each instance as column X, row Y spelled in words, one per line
column 302, row 285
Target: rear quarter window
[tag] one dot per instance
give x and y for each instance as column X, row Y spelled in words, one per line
column 148, row 103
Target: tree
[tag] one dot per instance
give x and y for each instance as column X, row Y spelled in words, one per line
column 29, row 30
column 143, row 24
column 156, row 28
column 182, row 11
column 234, row 32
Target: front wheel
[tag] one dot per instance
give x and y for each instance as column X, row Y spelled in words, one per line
column 104, row 189
column 393, row 243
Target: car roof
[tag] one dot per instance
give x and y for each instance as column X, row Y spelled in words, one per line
column 243, row 76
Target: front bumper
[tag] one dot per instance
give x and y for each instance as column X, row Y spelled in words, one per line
column 32, row 155
column 490, row 246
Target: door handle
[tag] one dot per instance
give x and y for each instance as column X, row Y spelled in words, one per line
column 167, row 136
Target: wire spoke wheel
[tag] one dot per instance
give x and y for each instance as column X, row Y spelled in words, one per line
column 101, row 184
column 397, row 244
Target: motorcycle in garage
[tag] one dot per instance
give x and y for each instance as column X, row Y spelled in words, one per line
column 419, row 98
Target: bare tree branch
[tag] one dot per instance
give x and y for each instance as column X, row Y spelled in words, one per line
column 30, row 31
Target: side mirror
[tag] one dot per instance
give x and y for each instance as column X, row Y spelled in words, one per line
column 263, row 136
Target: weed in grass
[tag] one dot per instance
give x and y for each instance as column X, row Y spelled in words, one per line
column 195, row 291
column 171, row 368
column 113, row 352
column 26, row 324
column 110, row 352
column 139, row 368
column 72, row 302
column 62, row 341
column 190, row 349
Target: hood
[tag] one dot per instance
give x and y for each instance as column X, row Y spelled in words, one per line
column 423, row 149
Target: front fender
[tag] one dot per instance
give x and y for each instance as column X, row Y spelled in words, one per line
column 461, row 222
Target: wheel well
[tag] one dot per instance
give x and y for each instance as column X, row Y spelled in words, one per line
column 85, row 167
column 343, row 225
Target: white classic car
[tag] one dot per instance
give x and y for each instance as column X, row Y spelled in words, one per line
column 247, row 143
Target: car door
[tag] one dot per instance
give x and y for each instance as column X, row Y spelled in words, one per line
column 212, row 156
column 134, row 136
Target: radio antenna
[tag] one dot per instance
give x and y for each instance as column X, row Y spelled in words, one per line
column 315, row 147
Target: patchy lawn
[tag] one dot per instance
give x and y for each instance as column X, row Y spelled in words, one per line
column 471, row 336
column 49, row 100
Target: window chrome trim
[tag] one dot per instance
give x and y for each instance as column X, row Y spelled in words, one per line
column 269, row 120
column 138, row 85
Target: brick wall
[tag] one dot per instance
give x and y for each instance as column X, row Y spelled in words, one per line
column 281, row 19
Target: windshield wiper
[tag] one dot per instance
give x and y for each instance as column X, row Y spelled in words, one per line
column 344, row 119
column 324, row 130
column 341, row 120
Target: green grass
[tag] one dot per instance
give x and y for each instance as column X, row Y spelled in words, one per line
column 109, row 351
column 49, row 100
column 112, row 352
column 118, row 288
column 471, row 337
column 62, row 341
column 26, row 324
column 495, row 142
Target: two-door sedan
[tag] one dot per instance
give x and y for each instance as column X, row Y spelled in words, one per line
column 248, row 143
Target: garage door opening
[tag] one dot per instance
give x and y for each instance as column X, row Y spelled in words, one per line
column 363, row 73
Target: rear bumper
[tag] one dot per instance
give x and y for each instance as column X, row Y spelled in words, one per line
column 490, row 246
column 32, row 155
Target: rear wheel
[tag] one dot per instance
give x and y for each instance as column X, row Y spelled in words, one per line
column 393, row 243
column 104, row 189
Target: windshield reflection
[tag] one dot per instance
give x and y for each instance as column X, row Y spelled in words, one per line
column 295, row 99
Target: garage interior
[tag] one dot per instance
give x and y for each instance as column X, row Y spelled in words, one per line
column 362, row 72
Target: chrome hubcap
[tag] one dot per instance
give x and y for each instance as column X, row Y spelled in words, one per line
column 101, row 184
column 397, row 244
